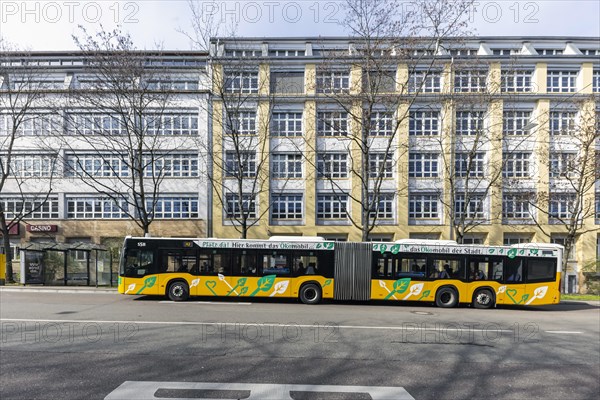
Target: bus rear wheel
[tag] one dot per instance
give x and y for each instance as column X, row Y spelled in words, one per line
column 446, row 297
column 483, row 298
column 178, row 291
column 310, row 294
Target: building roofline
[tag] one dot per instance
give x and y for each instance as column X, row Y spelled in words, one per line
column 457, row 38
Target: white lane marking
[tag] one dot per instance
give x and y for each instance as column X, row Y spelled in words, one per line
column 412, row 327
column 565, row 332
column 204, row 302
column 135, row 390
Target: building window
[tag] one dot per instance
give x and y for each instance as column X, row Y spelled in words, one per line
column 381, row 165
column 241, row 81
column 96, row 165
column 173, row 207
column 514, row 122
column 95, row 207
column 562, row 122
column 561, row 81
column 423, row 165
column 242, row 123
column 333, row 82
column 596, row 81
column 562, row 165
column 286, row 124
column 470, row 81
column 32, row 125
column 424, row 123
column 171, row 124
column 424, row 82
column 512, row 239
column 173, row 84
column 332, row 123
column 423, row 206
column 561, row 205
column 473, row 239
column 33, row 208
column 473, row 210
column 597, row 207
column 287, row 82
column 30, row 165
column 467, row 164
column 469, row 122
column 240, row 164
column 517, row 206
column 235, row 210
column 382, row 124
column 91, row 124
column 287, row 207
column 378, row 81
column 171, row 165
column 332, row 206
column 382, row 206
column 516, row 165
column 286, row 165
column 516, row 80
column 332, row 165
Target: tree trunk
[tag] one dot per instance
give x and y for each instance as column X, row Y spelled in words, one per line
column 6, row 245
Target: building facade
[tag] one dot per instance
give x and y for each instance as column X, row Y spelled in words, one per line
column 98, row 140
column 484, row 140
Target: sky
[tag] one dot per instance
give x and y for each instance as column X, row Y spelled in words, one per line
column 49, row 25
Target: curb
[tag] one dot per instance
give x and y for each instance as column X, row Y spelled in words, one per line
column 590, row 302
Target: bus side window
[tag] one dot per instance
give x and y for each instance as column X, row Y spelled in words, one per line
column 496, row 271
column 514, row 271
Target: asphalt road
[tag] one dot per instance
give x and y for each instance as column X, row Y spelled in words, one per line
column 73, row 346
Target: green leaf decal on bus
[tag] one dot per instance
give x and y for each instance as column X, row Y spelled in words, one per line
column 401, row 285
column 512, row 253
column 148, row 283
column 534, row 252
column 327, row 282
column 240, row 282
column 382, row 248
column 264, row 284
column 244, row 291
column 492, row 251
column 395, row 249
column 424, row 294
column 329, row 245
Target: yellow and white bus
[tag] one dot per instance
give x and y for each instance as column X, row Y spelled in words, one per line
column 312, row 269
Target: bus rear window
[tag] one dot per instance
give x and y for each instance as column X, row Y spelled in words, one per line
column 541, row 271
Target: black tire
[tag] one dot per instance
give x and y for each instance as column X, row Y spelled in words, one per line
column 310, row 294
column 483, row 298
column 178, row 291
column 446, row 297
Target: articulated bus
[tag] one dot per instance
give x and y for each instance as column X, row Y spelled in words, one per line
column 311, row 269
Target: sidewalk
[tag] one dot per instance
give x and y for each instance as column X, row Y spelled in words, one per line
column 59, row 289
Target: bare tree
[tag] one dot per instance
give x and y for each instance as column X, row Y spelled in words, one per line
column 573, row 166
column 238, row 152
column 124, row 129
column 371, row 98
column 26, row 115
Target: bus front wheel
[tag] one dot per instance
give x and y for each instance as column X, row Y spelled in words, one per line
column 446, row 297
column 483, row 298
column 310, row 294
column 178, row 291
